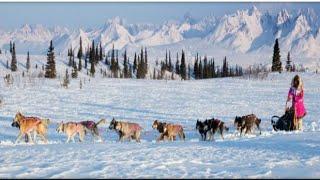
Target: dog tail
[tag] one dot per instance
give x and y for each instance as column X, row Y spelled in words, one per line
column 101, row 121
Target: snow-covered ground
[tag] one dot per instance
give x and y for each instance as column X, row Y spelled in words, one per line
column 272, row 154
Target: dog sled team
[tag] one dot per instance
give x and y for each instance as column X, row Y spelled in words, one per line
column 291, row 120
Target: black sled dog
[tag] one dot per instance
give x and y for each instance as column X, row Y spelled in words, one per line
column 283, row 123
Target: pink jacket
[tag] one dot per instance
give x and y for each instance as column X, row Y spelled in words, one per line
column 297, row 101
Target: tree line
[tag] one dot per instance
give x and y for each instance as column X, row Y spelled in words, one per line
column 202, row 68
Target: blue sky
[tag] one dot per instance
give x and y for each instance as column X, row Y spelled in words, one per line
column 86, row 15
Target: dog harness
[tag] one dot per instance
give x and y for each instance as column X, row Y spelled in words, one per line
column 88, row 124
column 135, row 127
column 38, row 121
column 216, row 123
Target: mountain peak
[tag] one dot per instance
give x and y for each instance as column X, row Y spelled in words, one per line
column 253, row 10
column 115, row 20
column 188, row 18
column 25, row 28
column 283, row 16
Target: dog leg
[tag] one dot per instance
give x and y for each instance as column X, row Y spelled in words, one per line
column 209, row 135
column 44, row 139
column 18, row 138
column 221, row 133
column 247, row 130
column 72, row 137
column 172, row 138
column 212, row 135
column 121, row 138
column 29, row 137
column 68, row 139
column 205, row 136
column 161, row 137
column 81, row 136
column 259, row 128
column 26, row 138
column 241, row 131
column 138, row 137
column 34, row 136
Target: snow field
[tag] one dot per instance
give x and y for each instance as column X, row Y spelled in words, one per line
column 272, row 154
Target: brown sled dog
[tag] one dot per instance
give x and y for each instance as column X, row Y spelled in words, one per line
column 170, row 131
column 247, row 122
column 217, row 125
column 72, row 129
column 93, row 127
column 27, row 125
column 126, row 130
column 160, row 127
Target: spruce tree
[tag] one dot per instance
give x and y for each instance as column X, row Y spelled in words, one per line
column 101, row 52
column 276, row 62
column 97, row 56
column 92, row 57
column 28, row 62
column 10, row 47
column 70, row 54
column 177, row 65
column 74, row 72
column 196, row 69
column 145, row 65
column 189, row 72
column 125, row 65
column 170, row 63
column 166, row 61
column 80, row 55
column 66, row 80
column 92, row 69
column 200, row 70
column 183, row 68
column 50, row 66
column 117, row 67
column 130, row 71
column 142, row 64
column 113, row 62
column 79, row 65
column 14, row 59
column 288, row 65
column 139, row 68
column 205, row 67
column 225, row 71
column 135, row 65
column 213, row 69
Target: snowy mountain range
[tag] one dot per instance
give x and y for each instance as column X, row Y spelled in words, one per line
column 245, row 31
